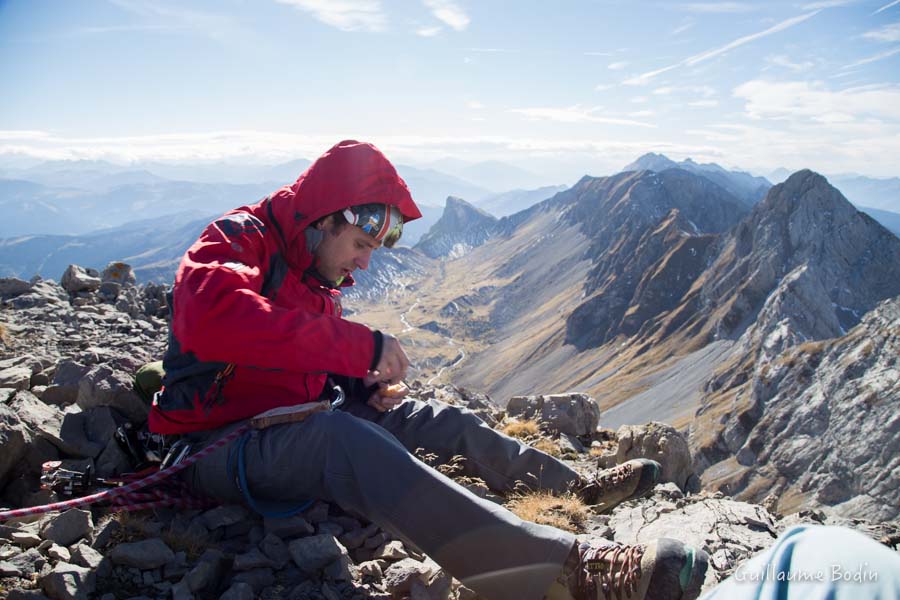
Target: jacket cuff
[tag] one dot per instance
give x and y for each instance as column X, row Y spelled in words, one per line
column 376, row 355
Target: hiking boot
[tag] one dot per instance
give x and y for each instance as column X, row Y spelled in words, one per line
column 631, row 479
column 664, row 569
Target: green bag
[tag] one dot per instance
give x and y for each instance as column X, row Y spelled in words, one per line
column 148, row 381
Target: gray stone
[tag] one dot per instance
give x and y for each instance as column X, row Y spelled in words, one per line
column 74, row 437
column 104, row 385
column 239, row 591
column 104, row 533
column 15, row 438
column 656, row 441
column 259, row 579
column 16, row 376
column 59, row 553
column 84, row 555
column 254, row 559
column 703, row 522
column 113, row 461
column 8, row 569
column 13, row 286
column 26, row 595
column 180, row 591
column 200, row 577
column 371, row 569
column 68, row 527
column 288, row 527
column 329, row 528
column 63, row 389
column 77, row 279
column 574, row 414
column 68, row 582
column 29, row 562
column 399, row 577
column 146, row 554
column 392, row 551
column 356, row 538
column 109, row 291
column 118, row 272
column 25, row 539
column 312, row 553
column 222, row 516
column 273, row 547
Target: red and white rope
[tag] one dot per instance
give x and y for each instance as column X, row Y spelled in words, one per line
column 127, row 497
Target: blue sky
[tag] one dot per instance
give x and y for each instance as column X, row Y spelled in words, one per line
column 560, row 88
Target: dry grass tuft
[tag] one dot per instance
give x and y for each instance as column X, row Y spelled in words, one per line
column 523, row 430
column 191, row 544
column 5, row 338
column 135, row 528
column 565, row 512
column 547, row 447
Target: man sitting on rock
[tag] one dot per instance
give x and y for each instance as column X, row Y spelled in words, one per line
column 256, row 325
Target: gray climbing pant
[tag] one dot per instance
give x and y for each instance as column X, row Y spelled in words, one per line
column 362, row 460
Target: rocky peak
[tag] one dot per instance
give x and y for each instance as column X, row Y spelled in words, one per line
column 806, row 237
column 637, row 224
column 461, row 227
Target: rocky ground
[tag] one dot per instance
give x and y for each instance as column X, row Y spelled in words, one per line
column 69, row 352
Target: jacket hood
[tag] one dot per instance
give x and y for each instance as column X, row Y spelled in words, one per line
column 350, row 173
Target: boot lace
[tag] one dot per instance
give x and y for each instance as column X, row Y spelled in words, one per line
column 616, row 569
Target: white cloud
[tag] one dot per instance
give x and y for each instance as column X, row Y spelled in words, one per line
column 449, row 13
column 698, row 58
column 683, row 27
column 887, row 6
column 663, row 91
column 346, row 15
column 602, row 87
column 639, row 99
column 428, row 31
column 597, row 53
column 888, row 33
column 717, row 7
column 640, row 114
column 492, row 50
column 574, row 114
column 704, row 103
column 616, row 66
column 781, row 60
column 474, row 105
column 871, row 59
column 812, row 102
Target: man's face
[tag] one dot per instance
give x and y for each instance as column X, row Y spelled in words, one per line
column 343, row 250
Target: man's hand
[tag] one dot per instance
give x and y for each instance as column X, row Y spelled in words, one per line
column 393, row 363
column 386, row 396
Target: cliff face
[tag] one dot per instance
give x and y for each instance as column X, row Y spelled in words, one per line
column 828, row 432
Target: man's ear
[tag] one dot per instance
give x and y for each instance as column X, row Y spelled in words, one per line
column 321, row 224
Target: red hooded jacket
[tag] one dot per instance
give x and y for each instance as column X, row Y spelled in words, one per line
column 251, row 328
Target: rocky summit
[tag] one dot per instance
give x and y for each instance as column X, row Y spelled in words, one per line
column 70, row 350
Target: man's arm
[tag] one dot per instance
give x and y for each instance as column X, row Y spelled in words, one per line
column 220, row 314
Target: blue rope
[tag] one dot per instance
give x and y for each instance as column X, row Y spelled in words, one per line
column 237, row 455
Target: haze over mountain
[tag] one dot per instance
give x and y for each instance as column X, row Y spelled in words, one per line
column 745, row 186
